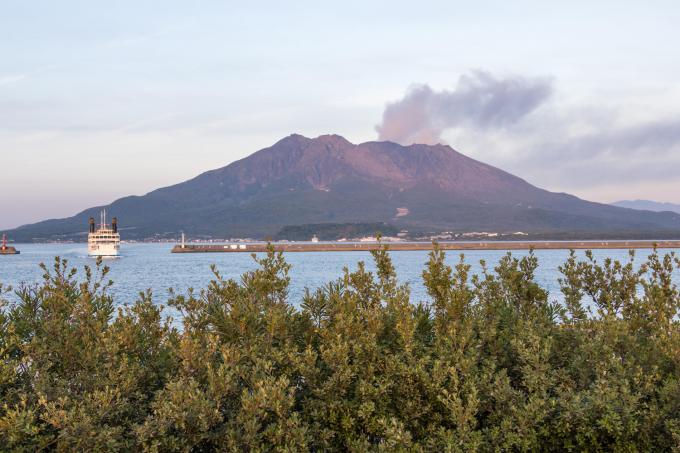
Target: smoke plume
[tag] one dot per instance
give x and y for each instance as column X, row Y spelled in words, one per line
column 480, row 100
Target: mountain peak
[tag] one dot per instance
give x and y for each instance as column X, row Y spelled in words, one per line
column 299, row 140
column 293, row 139
column 333, row 138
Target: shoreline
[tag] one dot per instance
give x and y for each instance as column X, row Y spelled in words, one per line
column 416, row 246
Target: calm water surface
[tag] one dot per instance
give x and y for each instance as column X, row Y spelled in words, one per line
column 143, row 266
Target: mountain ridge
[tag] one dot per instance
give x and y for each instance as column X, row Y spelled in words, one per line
column 648, row 205
column 301, row 180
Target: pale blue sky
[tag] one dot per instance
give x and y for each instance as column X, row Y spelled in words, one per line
column 104, row 99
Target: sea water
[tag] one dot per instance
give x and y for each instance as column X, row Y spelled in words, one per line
column 152, row 266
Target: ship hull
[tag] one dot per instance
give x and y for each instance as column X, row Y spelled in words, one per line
column 103, row 252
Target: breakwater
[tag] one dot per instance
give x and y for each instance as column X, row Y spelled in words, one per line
column 411, row 246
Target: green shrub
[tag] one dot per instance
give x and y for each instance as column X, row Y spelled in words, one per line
column 491, row 364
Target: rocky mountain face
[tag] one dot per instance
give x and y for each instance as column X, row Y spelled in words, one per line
column 300, row 181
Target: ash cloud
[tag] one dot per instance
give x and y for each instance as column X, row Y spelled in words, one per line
column 480, row 100
column 594, row 151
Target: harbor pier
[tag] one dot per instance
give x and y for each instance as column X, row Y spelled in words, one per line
column 411, row 246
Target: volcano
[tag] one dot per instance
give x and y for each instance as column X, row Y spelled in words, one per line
column 328, row 180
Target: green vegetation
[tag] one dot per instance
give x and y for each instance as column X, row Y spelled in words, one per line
column 490, row 365
column 334, row 231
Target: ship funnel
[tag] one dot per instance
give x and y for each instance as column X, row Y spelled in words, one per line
column 91, row 224
column 114, row 225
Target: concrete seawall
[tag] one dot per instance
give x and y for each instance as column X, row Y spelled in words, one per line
column 410, row 246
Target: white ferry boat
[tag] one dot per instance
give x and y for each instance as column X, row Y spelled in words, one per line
column 104, row 240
